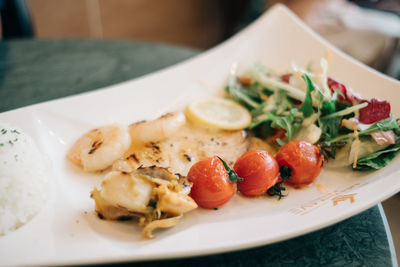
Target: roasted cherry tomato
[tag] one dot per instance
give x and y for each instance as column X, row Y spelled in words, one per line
column 212, row 187
column 300, row 162
column 259, row 171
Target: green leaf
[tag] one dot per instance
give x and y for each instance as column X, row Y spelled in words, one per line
column 280, row 141
column 345, row 111
column 307, row 107
column 290, row 123
column 376, row 163
column 258, row 74
column 239, row 95
column 386, row 124
column 336, row 93
column 330, row 128
column 383, row 125
column 328, row 107
column 378, row 159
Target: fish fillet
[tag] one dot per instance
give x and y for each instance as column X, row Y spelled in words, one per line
column 182, row 149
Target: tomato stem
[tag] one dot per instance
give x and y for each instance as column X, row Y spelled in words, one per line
column 231, row 173
column 276, row 190
column 286, row 172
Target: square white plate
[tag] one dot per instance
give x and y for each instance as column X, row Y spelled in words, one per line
column 67, row 231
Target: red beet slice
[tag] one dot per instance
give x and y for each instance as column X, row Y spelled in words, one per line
column 334, row 85
column 375, row 111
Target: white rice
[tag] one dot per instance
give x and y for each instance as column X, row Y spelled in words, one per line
column 23, row 179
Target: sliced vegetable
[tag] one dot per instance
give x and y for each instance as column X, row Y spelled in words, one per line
column 375, row 111
column 384, row 137
column 218, row 113
column 310, row 133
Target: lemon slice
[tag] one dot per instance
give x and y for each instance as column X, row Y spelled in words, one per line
column 218, row 113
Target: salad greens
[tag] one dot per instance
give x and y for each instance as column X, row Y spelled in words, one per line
column 378, row 159
column 313, row 107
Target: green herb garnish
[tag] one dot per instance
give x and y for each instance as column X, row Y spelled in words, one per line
column 279, row 107
column 383, row 125
column 307, row 107
column 231, row 173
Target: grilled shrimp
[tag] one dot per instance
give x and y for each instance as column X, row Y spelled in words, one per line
column 99, row 148
column 156, row 130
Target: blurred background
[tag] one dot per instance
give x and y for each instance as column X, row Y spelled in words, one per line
column 368, row 30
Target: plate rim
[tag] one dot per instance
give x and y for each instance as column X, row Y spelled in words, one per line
column 276, row 8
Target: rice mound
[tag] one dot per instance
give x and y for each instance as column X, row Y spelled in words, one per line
column 23, row 179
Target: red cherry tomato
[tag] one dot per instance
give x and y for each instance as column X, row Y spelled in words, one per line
column 304, row 161
column 259, row 171
column 211, row 185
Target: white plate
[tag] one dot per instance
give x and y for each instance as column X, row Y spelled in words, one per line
column 68, row 232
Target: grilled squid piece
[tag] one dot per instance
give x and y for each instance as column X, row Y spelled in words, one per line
column 153, row 195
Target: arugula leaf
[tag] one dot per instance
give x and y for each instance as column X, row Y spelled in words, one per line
column 263, row 130
column 238, row 94
column 290, row 122
column 336, row 93
column 383, row 125
column 329, row 149
column 307, row 107
column 278, row 112
column 280, row 141
column 386, row 124
column 282, row 103
column 328, row 107
column 257, row 73
column 345, row 111
column 378, row 159
column 330, row 128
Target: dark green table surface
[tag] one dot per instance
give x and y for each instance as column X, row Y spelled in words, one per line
column 33, row 71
